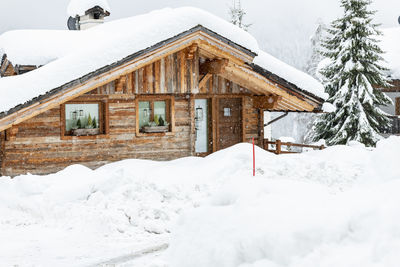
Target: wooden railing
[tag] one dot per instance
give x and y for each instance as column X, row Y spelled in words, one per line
column 395, row 127
column 279, row 147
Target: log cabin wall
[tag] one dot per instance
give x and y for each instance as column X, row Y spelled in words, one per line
column 2, row 143
column 36, row 145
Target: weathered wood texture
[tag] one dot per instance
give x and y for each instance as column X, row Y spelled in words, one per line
column 36, row 146
column 2, row 143
column 38, row 149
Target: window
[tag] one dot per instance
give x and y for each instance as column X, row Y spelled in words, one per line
column 83, row 119
column 154, row 115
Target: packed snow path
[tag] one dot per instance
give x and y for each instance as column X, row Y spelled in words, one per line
column 337, row 207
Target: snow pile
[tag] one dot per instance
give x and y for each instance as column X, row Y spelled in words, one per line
column 79, row 7
column 390, row 44
column 256, row 222
column 291, row 74
column 300, row 210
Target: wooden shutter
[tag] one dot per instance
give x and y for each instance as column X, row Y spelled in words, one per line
column 397, row 105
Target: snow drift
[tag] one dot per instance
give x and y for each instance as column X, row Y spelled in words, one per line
column 337, row 207
column 282, row 222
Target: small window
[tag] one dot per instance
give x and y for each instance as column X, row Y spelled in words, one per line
column 154, row 116
column 83, row 119
column 227, row 112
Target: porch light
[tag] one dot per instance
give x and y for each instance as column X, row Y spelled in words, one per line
column 74, row 115
column 81, row 113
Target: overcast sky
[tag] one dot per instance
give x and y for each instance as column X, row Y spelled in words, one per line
column 282, row 27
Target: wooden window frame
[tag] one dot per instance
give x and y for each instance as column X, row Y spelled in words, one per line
column 103, row 114
column 170, row 111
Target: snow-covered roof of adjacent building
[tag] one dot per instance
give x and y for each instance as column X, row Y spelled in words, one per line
column 391, row 45
column 71, row 55
column 79, row 7
column 38, row 47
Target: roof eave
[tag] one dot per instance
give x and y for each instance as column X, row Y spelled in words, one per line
column 318, row 101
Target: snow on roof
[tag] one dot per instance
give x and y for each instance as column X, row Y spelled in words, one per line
column 38, row 47
column 79, row 7
column 77, row 56
column 290, row 74
column 391, row 45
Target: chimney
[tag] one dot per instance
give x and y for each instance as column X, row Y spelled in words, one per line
column 85, row 14
column 92, row 17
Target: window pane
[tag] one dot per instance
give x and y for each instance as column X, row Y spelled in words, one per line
column 144, row 113
column 159, row 111
column 81, row 116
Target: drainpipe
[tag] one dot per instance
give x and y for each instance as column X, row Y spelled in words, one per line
column 277, row 119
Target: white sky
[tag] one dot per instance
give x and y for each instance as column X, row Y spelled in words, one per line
column 283, row 27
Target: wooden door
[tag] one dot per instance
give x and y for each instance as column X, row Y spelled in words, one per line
column 229, row 122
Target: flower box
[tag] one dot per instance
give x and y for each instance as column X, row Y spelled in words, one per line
column 85, row 132
column 156, row 129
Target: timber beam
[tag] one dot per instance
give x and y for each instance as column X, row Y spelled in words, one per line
column 213, row 66
column 266, row 102
column 255, row 82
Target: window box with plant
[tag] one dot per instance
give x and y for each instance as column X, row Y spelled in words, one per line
column 154, row 116
column 83, row 119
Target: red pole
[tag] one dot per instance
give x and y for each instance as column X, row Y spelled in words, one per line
column 254, row 159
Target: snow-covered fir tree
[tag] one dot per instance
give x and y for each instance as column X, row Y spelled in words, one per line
column 316, row 56
column 351, row 79
column 237, row 14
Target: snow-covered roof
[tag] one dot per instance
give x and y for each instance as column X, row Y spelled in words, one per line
column 79, row 7
column 391, row 45
column 77, row 56
column 290, row 74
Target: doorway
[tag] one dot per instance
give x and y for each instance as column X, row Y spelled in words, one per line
column 229, row 126
column 201, row 126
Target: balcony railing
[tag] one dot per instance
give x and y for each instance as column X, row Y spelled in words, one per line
column 394, row 129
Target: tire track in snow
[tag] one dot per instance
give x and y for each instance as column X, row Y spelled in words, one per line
column 131, row 256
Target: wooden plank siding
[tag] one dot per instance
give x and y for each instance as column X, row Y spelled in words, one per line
column 36, row 146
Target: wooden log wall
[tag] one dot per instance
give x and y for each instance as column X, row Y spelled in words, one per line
column 35, row 145
column 174, row 74
column 250, row 121
column 2, row 143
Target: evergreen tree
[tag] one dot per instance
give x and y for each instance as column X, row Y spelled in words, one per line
column 94, row 123
column 237, row 14
column 89, row 121
column 352, row 77
column 316, row 42
column 79, row 124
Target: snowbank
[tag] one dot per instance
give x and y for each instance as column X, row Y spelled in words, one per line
column 291, row 74
column 390, row 45
column 79, row 7
column 312, row 209
column 282, row 222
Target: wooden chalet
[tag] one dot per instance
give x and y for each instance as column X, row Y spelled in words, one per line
column 190, row 95
column 390, row 44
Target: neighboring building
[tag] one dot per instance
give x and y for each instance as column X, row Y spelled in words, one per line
column 165, row 85
column 391, row 45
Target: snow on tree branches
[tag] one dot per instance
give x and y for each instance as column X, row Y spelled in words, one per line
column 237, row 14
column 352, row 77
column 316, row 56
